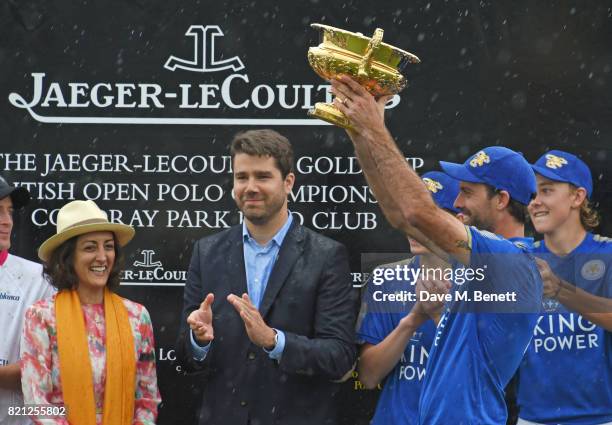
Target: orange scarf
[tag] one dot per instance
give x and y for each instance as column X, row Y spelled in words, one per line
column 75, row 365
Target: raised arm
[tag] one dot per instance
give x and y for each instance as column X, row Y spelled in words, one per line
column 386, row 202
column 418, row 217
column 377, row 360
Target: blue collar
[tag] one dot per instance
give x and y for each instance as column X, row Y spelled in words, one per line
column 525, row 240
column 277, row 238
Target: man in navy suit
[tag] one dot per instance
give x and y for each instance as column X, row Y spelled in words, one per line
column 269, row 313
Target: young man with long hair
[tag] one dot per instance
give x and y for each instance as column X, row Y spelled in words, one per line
column 566, row 375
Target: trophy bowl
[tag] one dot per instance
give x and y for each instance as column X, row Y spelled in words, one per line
column 375, row 65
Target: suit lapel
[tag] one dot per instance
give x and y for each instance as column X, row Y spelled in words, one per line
column 235, row 263
column 289, row 252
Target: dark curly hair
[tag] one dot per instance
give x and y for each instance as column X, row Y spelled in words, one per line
column 59, row 269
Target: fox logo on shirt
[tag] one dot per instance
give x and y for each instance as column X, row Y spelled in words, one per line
column 480, row 159
column 593, row 270
column 554, row 161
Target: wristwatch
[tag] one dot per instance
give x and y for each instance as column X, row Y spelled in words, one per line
column 275, row 341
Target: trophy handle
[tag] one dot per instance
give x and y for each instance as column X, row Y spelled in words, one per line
column 366, row 61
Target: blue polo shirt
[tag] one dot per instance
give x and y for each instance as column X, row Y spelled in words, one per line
column 566, row 375
column 399, row 400
column 478, row 347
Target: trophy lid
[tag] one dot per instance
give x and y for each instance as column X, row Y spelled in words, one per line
column 357, row 43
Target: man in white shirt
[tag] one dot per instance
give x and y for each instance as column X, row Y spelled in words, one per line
column 21, row 285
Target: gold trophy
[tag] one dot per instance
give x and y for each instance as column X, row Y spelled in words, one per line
column 374, row 64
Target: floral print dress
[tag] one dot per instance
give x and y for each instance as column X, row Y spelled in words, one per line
column 40, row 378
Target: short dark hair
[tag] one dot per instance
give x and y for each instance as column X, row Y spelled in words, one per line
column 59, row 269
column 265, row 142
column 515, row 208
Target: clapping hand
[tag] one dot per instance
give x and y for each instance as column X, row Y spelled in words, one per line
column 259, row 333
column 200, row 321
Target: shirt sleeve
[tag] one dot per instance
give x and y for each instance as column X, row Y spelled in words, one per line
column 499, row 266
column 36, row 364
column 503, row 277
column 277, row 352
column 199, row 352
column 484, row 242
column 507, row 269
column 147, row 396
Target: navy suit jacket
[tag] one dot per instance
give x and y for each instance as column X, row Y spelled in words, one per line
column 308, row 296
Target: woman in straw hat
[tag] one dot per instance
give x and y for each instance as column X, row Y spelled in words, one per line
column 87, row 348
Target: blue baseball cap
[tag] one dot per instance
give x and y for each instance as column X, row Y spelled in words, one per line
column 497, row 166
column 564, row 167
column 444, row 189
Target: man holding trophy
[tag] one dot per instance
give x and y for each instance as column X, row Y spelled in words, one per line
column 477, row 347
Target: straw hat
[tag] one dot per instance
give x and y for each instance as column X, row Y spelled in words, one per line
column 80, row 217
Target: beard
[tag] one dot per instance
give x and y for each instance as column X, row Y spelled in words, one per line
column 478, row 221
column 263, row 212
column 256, row 217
